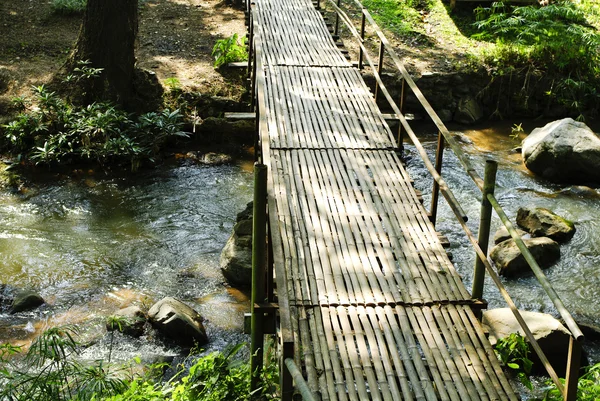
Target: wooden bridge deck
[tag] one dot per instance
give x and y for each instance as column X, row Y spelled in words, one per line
column 377, row 310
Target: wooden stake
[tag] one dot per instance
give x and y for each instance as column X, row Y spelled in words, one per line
column 489, row 183
column 259, row 236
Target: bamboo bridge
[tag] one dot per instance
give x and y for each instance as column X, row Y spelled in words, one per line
column 359, row 289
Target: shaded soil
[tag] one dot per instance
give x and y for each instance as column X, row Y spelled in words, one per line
column 175, row 40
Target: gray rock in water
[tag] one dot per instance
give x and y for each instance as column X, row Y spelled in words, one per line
column 468, row 111
column 214, row 159
column 502, row 235
column 236, row 256
column 26, row 300
column 563, row 151
column 130, row 321
column 178, row 321
column 510, row 262
column 550, row 334
column 540, row 222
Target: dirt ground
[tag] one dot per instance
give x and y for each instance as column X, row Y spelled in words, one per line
column 175, row 40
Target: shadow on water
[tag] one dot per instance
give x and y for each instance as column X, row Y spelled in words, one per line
column 91, row 246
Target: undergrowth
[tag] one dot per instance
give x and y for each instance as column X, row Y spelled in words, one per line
column 229, row 50
column 51, row 130
column 50, row 371
column 556, row 41
column 588, row 388
column 69, row 7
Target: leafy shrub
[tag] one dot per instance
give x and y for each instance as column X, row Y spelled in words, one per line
column 229, row 50
column 556, row 40
column 588, row 388
column 49, row 373
column 57, row 132
column 513, row 352
column 69, row 7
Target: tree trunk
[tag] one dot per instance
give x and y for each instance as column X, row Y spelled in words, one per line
column 107, row 40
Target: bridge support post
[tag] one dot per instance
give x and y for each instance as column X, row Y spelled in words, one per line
column 400, row 140
column 573, row 365
column 435, row 192
column 362, row 37
column 485, row 220
column 259, row 258
column 379, row 68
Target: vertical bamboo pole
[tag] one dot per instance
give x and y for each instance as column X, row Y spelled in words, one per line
column 259, row 236
column 250, row 44
column 573, row 365
column 435, row 192
column 485, row 219
column 379, row 68
column 362, row 36
column 400, row 140
column 336, row 30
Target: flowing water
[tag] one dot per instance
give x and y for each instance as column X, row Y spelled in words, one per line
column 91, row 245
column 576, row 277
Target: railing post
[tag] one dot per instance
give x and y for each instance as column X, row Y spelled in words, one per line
column 485, row 219
column 400, row 140
column 362, row 37
column 379, row 68
column 259, row 236
column 573, row 365
column 336, row 30
column 250, row 44
column 435, row 192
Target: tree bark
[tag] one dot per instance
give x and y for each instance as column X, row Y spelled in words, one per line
column 107, row 39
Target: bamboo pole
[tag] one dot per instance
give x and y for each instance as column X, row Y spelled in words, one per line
column 362, row 37
column 435, row 192
column 489, row 183
column 573, row 365
column 336, row 31
column 299, row 379
column 400, row 140
column 259, row 236
column 379, row 68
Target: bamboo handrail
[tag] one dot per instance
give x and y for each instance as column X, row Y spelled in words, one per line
column 385, row 46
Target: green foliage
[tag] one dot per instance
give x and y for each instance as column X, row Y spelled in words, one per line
column 69, row 7
column 229, row 50
column 83, row 71
column 401, row 17
column 49, row 373
column 513, row 352
column 588, row 388
column 173, row 84
column 55, row 131
column 556, row 40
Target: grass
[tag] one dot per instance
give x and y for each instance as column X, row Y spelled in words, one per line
column 69, row 7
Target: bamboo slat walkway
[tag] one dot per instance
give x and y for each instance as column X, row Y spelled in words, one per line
column 376, row 308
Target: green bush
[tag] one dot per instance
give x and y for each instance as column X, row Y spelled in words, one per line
column 588, row 388
column 513, row 352
column 69, row 7
column 229, row 50
column 56, row 132
column 50, row 373
column 555, row 40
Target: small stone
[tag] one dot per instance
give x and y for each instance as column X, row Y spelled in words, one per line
column 178, row 321
column 502, row 235
column 26, row 300
column 130, row 321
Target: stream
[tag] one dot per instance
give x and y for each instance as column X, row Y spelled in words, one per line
column 575, row 276
column 91, row 245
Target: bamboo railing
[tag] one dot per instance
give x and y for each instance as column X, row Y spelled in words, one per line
column 569, row 389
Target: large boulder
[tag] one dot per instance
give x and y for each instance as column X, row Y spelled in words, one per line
column 550, row 334
column 236, row 257
column 510, row 262
column 177, row 321
column 563, row 151
column 26, row 300
column 128, row 321
column 540, row 222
